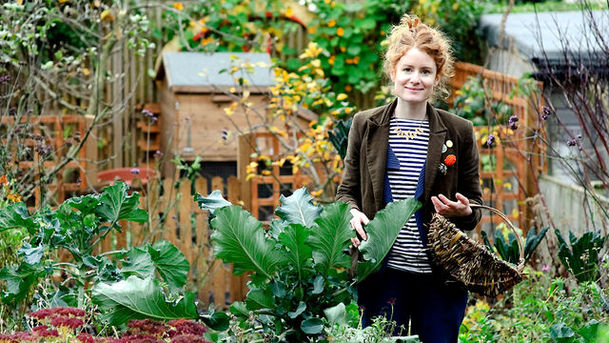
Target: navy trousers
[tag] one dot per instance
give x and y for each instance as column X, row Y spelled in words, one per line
column 435, row 310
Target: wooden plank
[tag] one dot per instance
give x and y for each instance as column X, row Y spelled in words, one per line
column 90, row 153
column 220, row 283
column 184, row 211
column 243, row 159
column 217, row 183
column 152, row 204
column 106, row 243
column 236, row 290
column 117, row 120
column 169, row 229
column 121, row 237
column 202, row 246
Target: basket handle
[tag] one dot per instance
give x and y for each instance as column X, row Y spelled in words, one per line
column 520, row 266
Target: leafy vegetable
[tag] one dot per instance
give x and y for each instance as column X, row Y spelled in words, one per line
column 382, row 231
column 300, row 265
column 137, row 298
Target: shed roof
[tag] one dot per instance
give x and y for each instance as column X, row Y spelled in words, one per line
column 199, row 72
column 534, row 33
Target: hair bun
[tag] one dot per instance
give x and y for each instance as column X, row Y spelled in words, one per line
column 411, row 21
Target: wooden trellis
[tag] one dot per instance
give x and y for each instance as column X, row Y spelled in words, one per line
column 261, row 194
column 52, row 131
column 516, row 160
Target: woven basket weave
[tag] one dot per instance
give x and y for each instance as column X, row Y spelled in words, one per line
column 469, row 262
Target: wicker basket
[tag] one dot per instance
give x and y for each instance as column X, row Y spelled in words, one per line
column 469, row 262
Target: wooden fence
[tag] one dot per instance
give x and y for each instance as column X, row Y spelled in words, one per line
column 514, row 162
column 176, row 217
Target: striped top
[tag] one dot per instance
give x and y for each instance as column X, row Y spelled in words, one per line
column 408, row 139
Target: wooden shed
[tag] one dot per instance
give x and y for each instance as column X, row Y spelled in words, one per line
column 193, row 93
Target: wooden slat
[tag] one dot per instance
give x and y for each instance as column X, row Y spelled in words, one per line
column 220, row 271
column 237, row 283
column 184, row 211
column 121, row 237
column 169, row 229
column 202, row 246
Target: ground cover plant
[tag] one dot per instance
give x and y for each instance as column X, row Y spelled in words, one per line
column 69, row 324
column 542, row 309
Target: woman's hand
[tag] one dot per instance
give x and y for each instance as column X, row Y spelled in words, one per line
column 448, row 208
column 357, row 223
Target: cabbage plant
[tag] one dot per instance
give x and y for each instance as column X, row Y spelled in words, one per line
column 299, row 264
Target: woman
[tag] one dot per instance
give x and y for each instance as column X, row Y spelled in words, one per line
column 410, row 149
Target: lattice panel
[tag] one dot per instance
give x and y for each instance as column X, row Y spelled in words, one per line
column 57, row 133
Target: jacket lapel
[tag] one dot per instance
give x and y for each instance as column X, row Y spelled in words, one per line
column 437, row 135
column 376, row 150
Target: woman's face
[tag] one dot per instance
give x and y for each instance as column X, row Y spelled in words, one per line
column 415, row 76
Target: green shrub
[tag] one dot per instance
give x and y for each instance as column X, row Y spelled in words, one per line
column 541, row 309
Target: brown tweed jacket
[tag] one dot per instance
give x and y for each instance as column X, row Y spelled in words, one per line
column 363, row 182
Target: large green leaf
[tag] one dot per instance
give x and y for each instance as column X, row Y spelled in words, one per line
column 15, row 216
column 259, row 298
column 137, row 298
column 138, row 263
column 331, row 237
column 298, row 208
column 336, row 314
column 212, row 202
column 312, row 326
column 19, row 280
column 533, row 241
column 382, row 231
column 164, row 258
column 116, row 204
column 338, row 136
column 239, row 239
column 170, row 263
column 86, row 204
column 294, row 238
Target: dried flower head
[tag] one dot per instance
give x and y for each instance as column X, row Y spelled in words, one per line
column 67, row 322
column 84, row 337
column 148, row 327
column 513, row 122
column 188, row 339
column 186, row 327
column 45, row 331
column 491, row 140
column 19, row 337
column 136, row 339
column 546, row 112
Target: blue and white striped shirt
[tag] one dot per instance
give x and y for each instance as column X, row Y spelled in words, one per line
column 408, row 139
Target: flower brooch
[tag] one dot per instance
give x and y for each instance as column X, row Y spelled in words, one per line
column 449, row 160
